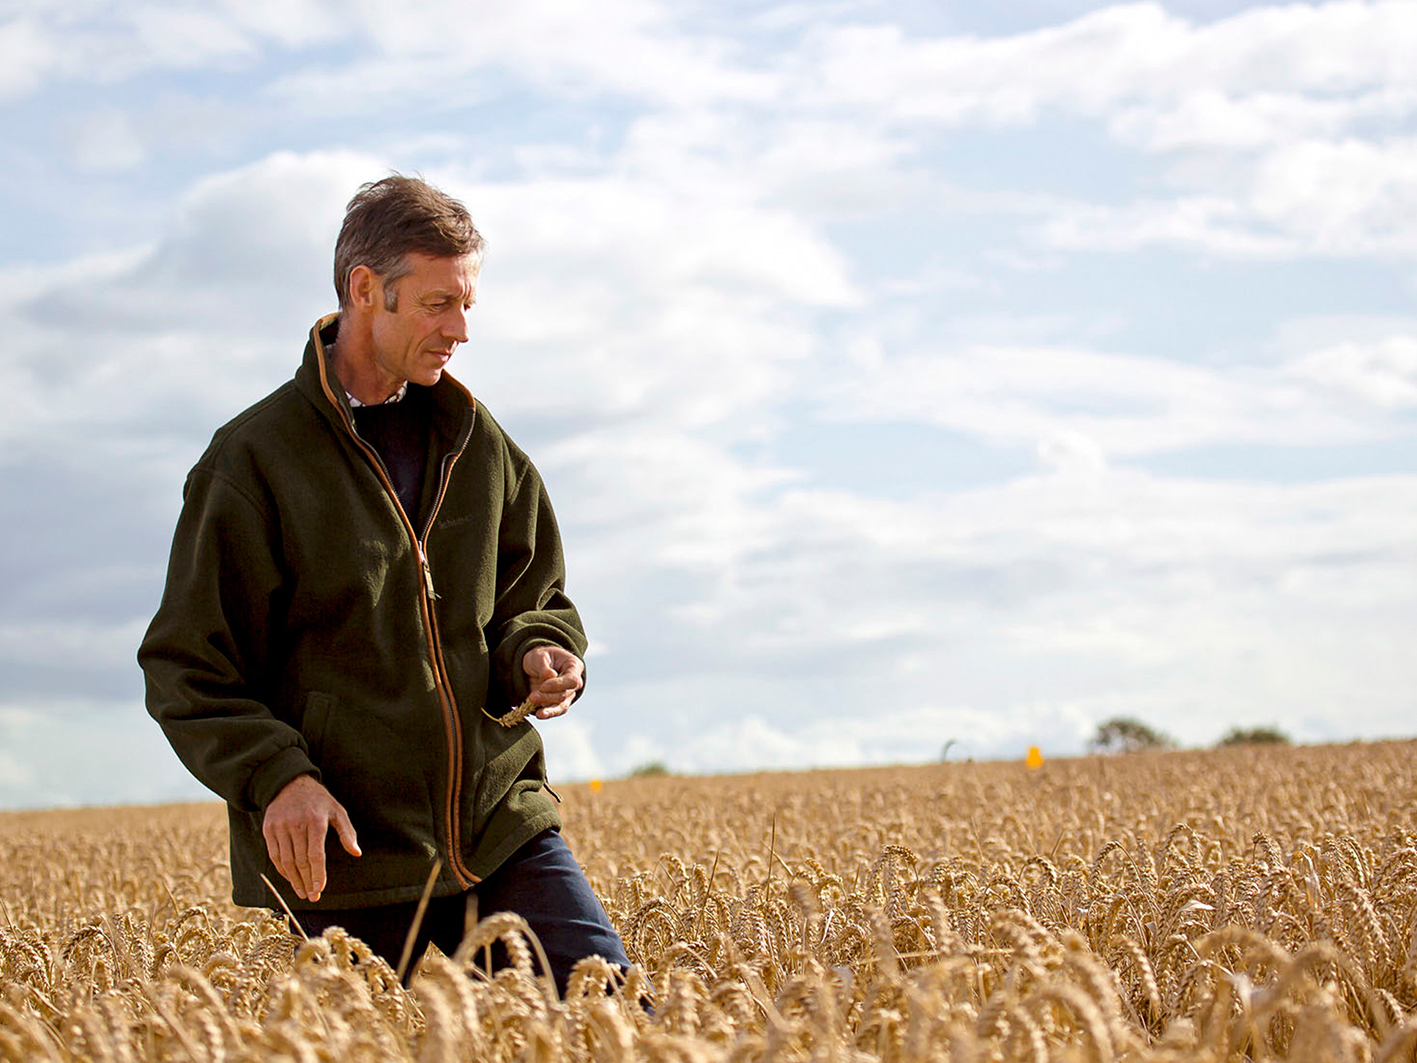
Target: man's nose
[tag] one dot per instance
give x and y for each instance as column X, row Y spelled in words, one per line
column 457, row 329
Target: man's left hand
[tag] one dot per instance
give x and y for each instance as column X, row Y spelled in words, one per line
column 555, row 675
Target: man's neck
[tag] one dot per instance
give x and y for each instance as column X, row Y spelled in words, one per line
column 362, row 382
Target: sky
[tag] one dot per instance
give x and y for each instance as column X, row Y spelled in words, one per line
column 903, row 373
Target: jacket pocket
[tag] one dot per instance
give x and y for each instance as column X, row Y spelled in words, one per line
column 316, row 720
column 378, row 760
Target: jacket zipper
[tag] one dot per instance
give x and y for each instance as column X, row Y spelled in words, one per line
column 441, row 669
column 451, row 721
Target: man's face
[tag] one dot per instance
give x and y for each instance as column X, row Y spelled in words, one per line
column 415, row 341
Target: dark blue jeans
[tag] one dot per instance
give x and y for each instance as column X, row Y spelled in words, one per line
column 541, row 882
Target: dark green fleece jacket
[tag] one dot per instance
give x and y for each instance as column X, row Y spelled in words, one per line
column 310, row 625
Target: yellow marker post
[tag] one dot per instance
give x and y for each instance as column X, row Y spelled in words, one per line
column 1034, row 758
column 595, row 786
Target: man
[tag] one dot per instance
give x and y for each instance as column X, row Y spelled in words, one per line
column 365, row 578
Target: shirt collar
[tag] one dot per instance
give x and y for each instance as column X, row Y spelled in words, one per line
column 397, row 396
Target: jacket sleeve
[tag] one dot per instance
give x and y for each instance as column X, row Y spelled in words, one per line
column 206, row 651
column 531, row 607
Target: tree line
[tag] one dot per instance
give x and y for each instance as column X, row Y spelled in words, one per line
column 1126, row 734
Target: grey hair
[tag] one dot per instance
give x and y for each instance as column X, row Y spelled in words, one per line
column 391, row 218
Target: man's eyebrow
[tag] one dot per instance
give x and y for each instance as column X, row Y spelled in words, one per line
column 447, row 293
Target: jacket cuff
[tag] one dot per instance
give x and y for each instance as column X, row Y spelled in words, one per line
column 271, row 777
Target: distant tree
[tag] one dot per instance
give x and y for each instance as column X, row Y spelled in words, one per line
column 1254, row 736
column 1125, row 734
column 649, row 769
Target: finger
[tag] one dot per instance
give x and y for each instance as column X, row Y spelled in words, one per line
column 345, row 829
column 558, row 685
column 292, row 842
column 300, row 846
column 557, row 708
column 535, row 662
column 273, row 848
column 315, row 846
column 285, row 863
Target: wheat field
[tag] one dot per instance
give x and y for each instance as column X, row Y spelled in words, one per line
column 1245, row 903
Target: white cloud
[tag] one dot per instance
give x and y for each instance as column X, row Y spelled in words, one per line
column 170, row 36
column 205, row 320
column 1190, row 603
column 1214, row 223
column 1123, row 55
column 1210, row 118
column 1205, row 603
column 1106, row 403
column 15, row 777
column 1306, row 105
column 1346, row 197
column 692, row 495
column 66, row 752
column 678, row 226
column 1072, row 454
column 895, row 729
column 105, row 41
column 71, row 645
column 1299, row 66
column 290, row 23
column 1308, row 197
column 679, row 300
column 106, row 141
column 810, row 165
column 753, row 742
column 570, row 752
column 26, row 56
column 1382, row 373
column 637, row 750
column 634, row 48
column 836, row 121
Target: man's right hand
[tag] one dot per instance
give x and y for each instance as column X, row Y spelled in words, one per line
column 294, row 828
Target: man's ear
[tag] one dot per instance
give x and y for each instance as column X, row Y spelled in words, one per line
column 363, row 286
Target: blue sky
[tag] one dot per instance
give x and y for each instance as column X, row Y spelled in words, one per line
column 901, row 372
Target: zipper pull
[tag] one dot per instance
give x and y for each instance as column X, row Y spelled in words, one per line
column 427, row 575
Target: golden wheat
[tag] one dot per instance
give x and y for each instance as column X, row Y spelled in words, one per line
column 1250, row 903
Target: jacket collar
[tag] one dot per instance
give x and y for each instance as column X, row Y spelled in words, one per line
column 453, row 406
